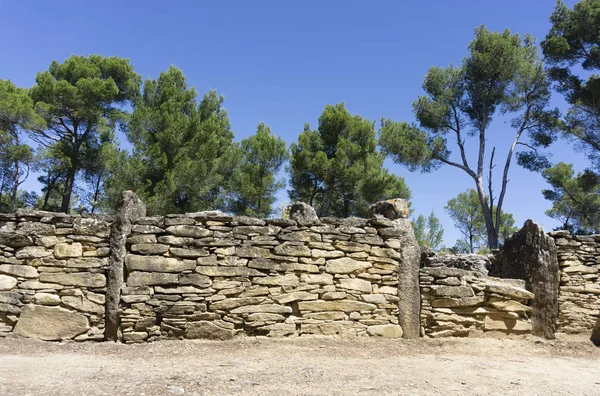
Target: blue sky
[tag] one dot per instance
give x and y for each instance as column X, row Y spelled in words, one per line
column 281, row 62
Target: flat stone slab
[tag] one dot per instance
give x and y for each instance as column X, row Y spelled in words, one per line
column 50, row 323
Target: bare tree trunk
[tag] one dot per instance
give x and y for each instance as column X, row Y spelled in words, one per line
column 488, row 216
column 15, row 188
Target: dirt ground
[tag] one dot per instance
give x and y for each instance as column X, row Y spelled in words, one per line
column 250, row 366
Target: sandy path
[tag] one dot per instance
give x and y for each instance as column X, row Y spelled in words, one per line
column 294, row 367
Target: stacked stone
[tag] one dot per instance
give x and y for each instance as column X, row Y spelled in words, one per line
column 579, row 291
column 210, row 275
column 470, row 262
column 52, row 281
column 461, row 303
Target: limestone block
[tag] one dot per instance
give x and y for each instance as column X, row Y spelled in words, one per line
column 339, row 305
column 151, row 278
column 292, row 250
column 346, row 265
column 157, row 264
column 263, row 308
column 232, row 303
column 30, row 252
column 50, row 323
column 83, row 279
column 15, row 240
column 46, row 299
column 385, row 331
column 68, row 250
column 499, row 323
column 281, row 280
column 272, row 265
column 150, row 248
column 189, row 231
column 317, row 279
column 82, row 303
column 23, row 271
column 355, row 284
column 287, row 298
column 228, row 271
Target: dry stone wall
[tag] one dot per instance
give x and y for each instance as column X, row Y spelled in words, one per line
column 209, row 275
column 458, row 302
column 579, row 291
column 52, row 275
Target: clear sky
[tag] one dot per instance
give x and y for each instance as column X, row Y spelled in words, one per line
column 281, row 62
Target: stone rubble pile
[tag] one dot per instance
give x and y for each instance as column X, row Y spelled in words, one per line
column 579, row 291
column 460, row 303
column 469, row 262
column 52, row 282
column 210, row 275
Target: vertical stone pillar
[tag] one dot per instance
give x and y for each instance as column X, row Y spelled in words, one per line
column 130, row 208
column 409, row 305
column 531, row 255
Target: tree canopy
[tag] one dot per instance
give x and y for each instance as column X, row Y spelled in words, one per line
column 501, row 74
column 429, row 231
column 76, row 98
column 337, row 168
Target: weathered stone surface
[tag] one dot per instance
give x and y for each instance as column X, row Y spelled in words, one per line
column 46, row 299
column 151, row 278
column 208, row 330
column 295, row 296
column 303, row 213
column 15, row 240
column 318, row 253
column 83, row 304
column 189, row 231
column 508, row 290
column 498, row 323
column 232, row 303
column 265, row 317
column 281, row 280
column 67, row 250
column 83, row 279
column 346, row 265
column 385, row 331
column 24, row 271
column 531, row 255
column 157, row 264
column 317, row 279
column 457, row 302
column 292, row 250
column 228, row 271
column 30, row 252
column 355, row 284
column 201, row 281
column 510, row 306
column 268, row 264
column 150, row 248
column 339, row 305
column 391, row 209
column 188, row 253
column 50, row 323
column 263, row 308
column 252, row 252
column 452, row 291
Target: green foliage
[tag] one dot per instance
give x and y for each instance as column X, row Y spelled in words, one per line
column 465, row 211
column 429, row 231
column 502, row 74
column 253, row 183
column 573, row 42
column 575, row 198
column 337, row 168
column 16, row 157
column 76, row 98
column 183, row 157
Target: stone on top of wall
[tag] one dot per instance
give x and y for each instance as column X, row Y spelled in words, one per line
column 469, row 262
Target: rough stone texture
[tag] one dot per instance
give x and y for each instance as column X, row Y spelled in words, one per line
column 531, row 255
column 130, row 208
column 579, row 291
column 303, row 213
column 50, row 323
column 469, row 262
column 409, row 304
column 478, row 304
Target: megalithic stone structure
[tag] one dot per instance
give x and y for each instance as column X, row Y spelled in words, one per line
column 530, row 254
column 409, row 304
column 130, row 208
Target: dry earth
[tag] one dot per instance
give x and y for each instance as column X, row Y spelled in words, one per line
column 478, row 366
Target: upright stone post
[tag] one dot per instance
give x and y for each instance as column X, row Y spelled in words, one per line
column 130, row 208
column 531, row 255
column 409, row 304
